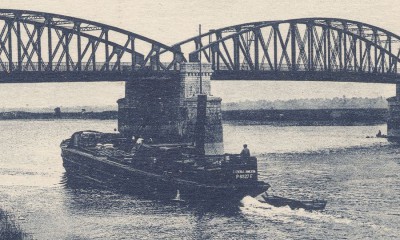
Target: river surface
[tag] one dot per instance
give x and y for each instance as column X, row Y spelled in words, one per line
column 358, row 176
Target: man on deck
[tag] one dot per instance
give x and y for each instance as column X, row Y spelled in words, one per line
column 245, row 152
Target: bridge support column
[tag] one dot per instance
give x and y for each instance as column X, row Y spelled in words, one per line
column 190, row 88
column 166, row 109
column 393, row 123
column 148, row 109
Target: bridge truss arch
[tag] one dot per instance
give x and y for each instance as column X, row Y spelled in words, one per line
column 197, row 42
column 43, row 42
column 301, row 49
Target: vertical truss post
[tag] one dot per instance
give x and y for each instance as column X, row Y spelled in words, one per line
column 178, row 57
column 49, row 43
column 311, row 41
column 209, row 41
column 389, row 39
column 329, row 50
column 275, row 29
column 325, row 55
column 19, row 46
column 375, row 50
column 133, row 52
column 293, row 45
column 345, row 51
column 369, row 56
column 157, row 57
column 383, row 61
column 119, row 60
column 236, row 52
column 218, row 58
column 39, row 46
column 154, row 57
column 340, row 51
column 213, row 57
column 93, row 57
column 361, row 60
column 354, row 54
column 256, row 53
column 119, row 54
column 107, row 50
column 309, row 46
column 217, row 37
column 197, row 43
column 65, row 34
column 79, row 46
column 10, row 52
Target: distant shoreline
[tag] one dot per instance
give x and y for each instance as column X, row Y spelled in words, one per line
column 309, row 116
column 358, row 116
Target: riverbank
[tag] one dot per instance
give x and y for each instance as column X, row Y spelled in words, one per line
column 104, row 115
column 308, row 117
column 9, row 229
column 360, row 116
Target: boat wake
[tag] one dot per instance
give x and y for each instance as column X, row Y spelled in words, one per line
column 251, row 207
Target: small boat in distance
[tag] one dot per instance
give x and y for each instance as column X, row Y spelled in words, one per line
column 292, row 203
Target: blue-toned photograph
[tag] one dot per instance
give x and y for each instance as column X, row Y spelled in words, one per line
column 199, row 119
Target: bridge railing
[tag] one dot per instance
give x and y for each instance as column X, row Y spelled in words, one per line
column 127, row 67
column 85, row 66
column 299, row 68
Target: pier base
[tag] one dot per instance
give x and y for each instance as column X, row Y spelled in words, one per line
column 165, row 110
column 393, row 123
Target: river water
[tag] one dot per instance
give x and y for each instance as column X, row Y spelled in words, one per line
column 358, row 176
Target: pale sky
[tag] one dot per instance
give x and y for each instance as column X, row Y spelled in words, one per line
column 172, row 21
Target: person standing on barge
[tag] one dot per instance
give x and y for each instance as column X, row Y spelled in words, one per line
column 245, row 153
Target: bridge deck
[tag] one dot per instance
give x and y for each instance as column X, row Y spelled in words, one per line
column 84, row 76
column 306, row 76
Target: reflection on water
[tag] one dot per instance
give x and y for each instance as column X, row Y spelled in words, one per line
column 86, row 192
column 358, row 176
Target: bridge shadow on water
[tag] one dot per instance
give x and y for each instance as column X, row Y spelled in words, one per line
column 85, row 193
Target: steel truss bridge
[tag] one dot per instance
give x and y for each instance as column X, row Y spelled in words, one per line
column 45, row 47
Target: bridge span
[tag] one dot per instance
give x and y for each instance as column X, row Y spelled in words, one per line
column 162, row 79
column 46, row 47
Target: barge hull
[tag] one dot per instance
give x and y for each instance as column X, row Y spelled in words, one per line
column 127, row 178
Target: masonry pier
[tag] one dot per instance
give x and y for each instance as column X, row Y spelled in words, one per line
column 393, row 122
column 165, row 110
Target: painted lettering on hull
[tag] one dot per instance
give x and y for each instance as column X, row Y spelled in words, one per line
column 244, row 174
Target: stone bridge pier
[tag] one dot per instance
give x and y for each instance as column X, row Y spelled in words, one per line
column 165, row 110
column 393, row 123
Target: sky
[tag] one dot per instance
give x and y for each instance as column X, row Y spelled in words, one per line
column 172, row 21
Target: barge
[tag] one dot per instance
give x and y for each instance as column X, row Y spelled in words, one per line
column 165, row 168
